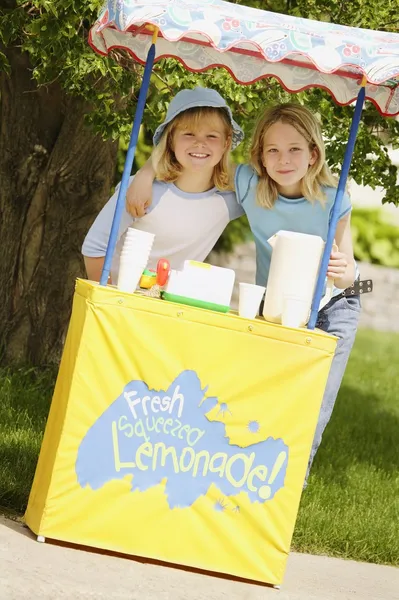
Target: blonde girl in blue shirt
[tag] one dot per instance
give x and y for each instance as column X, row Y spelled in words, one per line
column 288, row 186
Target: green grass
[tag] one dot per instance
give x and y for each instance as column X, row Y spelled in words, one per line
column 25, row 396
column 350, row 508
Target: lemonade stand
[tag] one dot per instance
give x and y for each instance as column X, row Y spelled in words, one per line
column 177, row 433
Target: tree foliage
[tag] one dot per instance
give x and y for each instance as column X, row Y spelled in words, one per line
column 54, row 33
column 374, row 239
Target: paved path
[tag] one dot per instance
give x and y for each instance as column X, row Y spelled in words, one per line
column 29, row 570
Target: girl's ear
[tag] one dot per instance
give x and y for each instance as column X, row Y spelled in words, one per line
column 314, row 155
column 228, row 142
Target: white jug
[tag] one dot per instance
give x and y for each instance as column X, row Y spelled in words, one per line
column 292, row 277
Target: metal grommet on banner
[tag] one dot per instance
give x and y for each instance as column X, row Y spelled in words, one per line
column 250, row 328
column 179, row 314
column 308, row 340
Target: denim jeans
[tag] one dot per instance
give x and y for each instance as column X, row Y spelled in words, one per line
column 340, row 318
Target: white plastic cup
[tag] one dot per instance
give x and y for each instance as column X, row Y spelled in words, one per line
column 295, row 312
column 129, row 264
column 250, row 297
column 138, row 234
column 145, row 241
column 135, row 257
column 133, row 260
column 136, row 250
column 137, row 245
column 129, row 276
column 135, row 254
column 139, row 238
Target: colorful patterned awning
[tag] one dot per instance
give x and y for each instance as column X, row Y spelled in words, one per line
column 254, row 44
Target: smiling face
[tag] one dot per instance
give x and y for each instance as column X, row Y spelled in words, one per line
column 201, row 143
column 286, row 157
column 193, row 151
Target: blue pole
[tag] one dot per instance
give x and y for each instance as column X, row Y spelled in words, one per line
column 128, row 165
column 337, row 207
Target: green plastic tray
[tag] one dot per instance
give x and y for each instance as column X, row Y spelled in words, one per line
column 193, row 302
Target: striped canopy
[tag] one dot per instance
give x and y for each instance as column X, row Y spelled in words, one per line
column 254, row 44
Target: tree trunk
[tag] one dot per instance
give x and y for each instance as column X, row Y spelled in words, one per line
column 55, row 175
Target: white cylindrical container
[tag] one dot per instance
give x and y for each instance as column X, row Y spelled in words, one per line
column 293, row 274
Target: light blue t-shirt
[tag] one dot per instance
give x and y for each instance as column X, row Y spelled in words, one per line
column 287, row 214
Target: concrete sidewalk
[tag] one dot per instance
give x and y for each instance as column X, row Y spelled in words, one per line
column 49, row 571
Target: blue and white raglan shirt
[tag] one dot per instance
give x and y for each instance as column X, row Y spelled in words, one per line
column 287, row 214
column 186, row 225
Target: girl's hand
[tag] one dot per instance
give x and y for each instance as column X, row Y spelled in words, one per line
column 342, row 264
column 139, row 193
column 337, row 266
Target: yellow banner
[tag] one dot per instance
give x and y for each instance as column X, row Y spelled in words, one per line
column 179, row 434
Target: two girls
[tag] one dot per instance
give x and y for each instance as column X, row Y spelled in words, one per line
column 288, row 186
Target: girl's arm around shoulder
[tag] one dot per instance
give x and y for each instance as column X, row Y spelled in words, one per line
column 234, row 207
column 139, row 193
column 346, row 204
column 244, row 177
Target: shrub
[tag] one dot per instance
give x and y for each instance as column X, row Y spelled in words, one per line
column 374, row 239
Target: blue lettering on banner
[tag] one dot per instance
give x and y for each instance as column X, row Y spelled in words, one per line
column 166, row 436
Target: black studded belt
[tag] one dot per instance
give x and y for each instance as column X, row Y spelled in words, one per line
column 357, row 288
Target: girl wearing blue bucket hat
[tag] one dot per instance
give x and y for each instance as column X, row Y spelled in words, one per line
column 192, row 197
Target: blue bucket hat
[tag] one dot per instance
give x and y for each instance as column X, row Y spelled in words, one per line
column 197, row 97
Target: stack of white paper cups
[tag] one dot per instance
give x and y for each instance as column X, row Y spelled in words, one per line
column 134, row 258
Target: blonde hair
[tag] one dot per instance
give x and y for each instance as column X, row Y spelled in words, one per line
column 168, row 169
column 307, row 125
